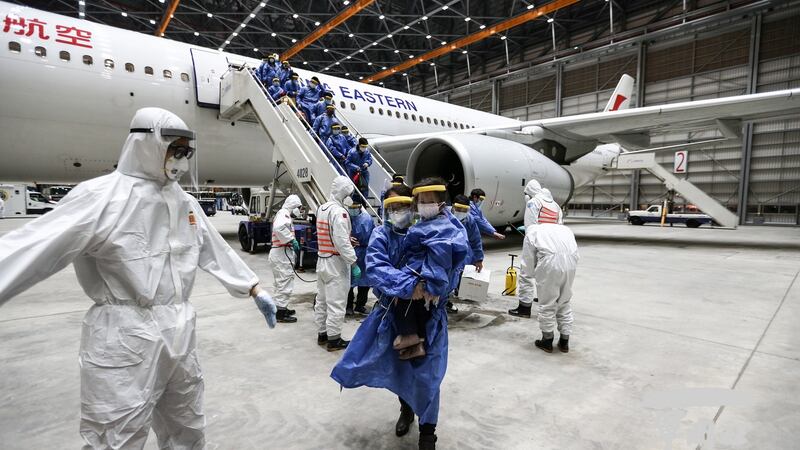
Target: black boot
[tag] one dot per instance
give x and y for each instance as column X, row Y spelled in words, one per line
column 546, row 343
column 405, row 420
column 283, row 316
column 522, row 310
column 451, row 308
column 427, row 442
column 361, row 310
column 290, row 312
column 322, row 338
column 335, row 344
column 563, row 343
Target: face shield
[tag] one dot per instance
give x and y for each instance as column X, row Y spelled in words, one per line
column 181, row 157
column 397, row 212
column 429, row 200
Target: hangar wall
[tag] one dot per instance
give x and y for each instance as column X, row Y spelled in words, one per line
column 756, row 53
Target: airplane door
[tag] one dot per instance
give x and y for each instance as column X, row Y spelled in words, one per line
column 208, row 68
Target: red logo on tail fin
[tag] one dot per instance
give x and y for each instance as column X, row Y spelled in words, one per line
column 618, row 102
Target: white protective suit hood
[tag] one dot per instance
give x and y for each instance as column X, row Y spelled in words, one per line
column 546, row 195
column 291, row 202
column 533, row 188
column 143, row 153
column 341, row 188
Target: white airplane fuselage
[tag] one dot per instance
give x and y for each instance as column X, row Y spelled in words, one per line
column 65, row 121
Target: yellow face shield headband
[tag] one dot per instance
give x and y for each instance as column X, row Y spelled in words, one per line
column 395, row 200
column 432, row 188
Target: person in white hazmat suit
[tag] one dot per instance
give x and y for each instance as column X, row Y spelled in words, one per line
column 283, row 249
column 552, row 254
column 336, row 263
column 539, row 208
column 136, row 240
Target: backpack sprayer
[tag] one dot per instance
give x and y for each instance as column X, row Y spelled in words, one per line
column 511, row 278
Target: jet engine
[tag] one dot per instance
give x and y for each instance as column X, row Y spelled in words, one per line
column 498, row 166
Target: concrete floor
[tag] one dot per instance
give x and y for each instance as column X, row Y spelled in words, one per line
column 682, row 338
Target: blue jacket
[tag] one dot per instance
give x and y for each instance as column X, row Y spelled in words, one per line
column 370, row 360
column 337, row 144
column 266, row 72
column 316, row 110
column 292, row 88
column 473, row 235
column 356, row 160
column 284, row 74
column 276, row 92
column 437, row 250
column 483, row 224
column 308, row 96
column 322, row 126
column 351, row 140
column 362, row 230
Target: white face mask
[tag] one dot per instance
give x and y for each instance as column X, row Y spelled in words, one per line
column 347, row 202
column 354, row 211
column 527, row 198
column 401, row 219
column 460, row 215
column 175, row 168
column 296, row 212
column 428, row 210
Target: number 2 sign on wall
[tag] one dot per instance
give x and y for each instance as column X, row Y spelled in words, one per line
column 681, row 161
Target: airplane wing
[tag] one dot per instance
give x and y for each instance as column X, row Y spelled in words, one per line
column 632, row 128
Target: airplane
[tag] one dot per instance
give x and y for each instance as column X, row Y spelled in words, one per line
column 70, row 88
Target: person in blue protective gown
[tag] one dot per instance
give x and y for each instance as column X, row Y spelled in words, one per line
column 351, row 140
column 275, row 90
column 285, row 72
column 318, row 109
column 476, row 198
column 338, row 147
column 308, row 96
column 267, row 70
column 460, row 212
column 371, row 360
column 362, row 226
column 292, row 86
column 323, row 125
column 358, row 163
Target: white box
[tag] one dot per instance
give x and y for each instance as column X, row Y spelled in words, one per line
column 474, row 285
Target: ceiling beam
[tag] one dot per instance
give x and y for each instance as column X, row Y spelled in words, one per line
column 167, row 17
column 326, row 27
column 474, row 37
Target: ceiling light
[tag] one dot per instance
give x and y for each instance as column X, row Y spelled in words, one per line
column 326, row 50
column 337, row 63
column 467, row 19
column 273, row 34
column 82, row 3
column 410, row 56
column 381, row 83
column 243, row 25
column 397, row 51
column 381, row 17
column 82, row 14
column 433, row 64
column 347, row 74
column 445, row 8
column 406, row 27
column 383, row 68
column 444, row 42
column 152, row 22
column 262, row 4
column 502, row 38
column 235, row 34
column 159, row 1
column 577, row 48
column 124, row 14
column 463, row 52
column 255, row 49
column 482, row 26
column 424, row 17
column 295, row 16
column 360, row 78
column 550, row 20
column 405, row 74
column 172, row 16
column 346, row 2
column 294, row 40
column 349, row 57
column 389, row 36
column 252, row 16
column 162, row 34
column 209, row 15
column 227, row 42
column 219, row 49
column 350, row 35
column 374, row 43
column 196, row 33
column 361, row 50
column 316, row 24
column 327, row 68
column 394, row 71
column 530, row 6
column 305, row 63
column 369, row 63
column 428, row 36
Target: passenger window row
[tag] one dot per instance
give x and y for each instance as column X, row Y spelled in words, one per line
column 63, row 55
column 421, row 119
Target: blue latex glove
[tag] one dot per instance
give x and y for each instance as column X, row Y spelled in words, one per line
column 267, row 308
column 355, row 272
column 521, row 228
column 295, row 245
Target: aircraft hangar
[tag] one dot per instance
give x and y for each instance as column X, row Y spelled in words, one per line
column 684, row 284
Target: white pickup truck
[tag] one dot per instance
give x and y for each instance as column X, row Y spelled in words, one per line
column 22, row 200
column 653, row 215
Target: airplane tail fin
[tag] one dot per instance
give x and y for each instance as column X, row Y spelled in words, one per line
column 621, row 98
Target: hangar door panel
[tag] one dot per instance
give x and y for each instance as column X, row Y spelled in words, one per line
column 208, row 68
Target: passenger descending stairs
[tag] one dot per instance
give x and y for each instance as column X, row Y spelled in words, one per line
column 243, row 98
